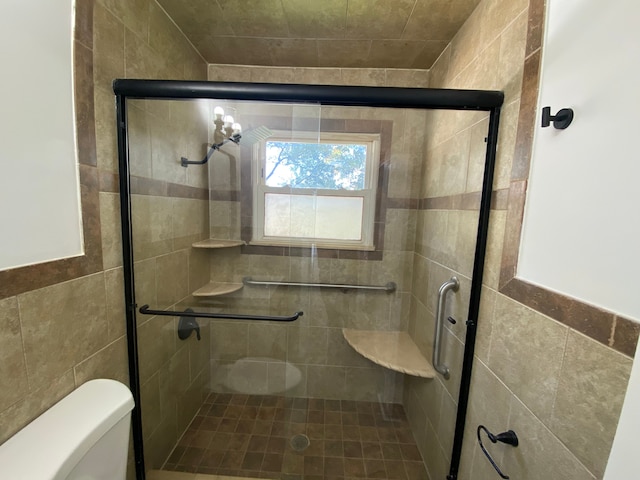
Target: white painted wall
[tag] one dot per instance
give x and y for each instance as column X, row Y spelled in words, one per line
column 39, row 193
column 582, row 221
column 581, row 234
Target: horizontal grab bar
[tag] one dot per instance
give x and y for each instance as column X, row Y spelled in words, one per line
column 389, row 287
column 232, row 316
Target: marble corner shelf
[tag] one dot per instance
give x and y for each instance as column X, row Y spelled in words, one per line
column 217, row 243
column 393, row 350
column 214, row 289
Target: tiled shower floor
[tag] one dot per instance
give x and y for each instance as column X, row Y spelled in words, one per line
column 255, row 436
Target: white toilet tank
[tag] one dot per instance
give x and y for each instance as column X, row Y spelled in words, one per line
column 85, row 436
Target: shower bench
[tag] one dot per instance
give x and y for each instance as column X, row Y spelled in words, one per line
column 393, row 350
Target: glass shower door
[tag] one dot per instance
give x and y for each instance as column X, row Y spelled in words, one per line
column 352, row 215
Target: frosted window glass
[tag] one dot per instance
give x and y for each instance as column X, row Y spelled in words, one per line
column 310, row 216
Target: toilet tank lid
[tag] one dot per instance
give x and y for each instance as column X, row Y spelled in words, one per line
column 51, row 445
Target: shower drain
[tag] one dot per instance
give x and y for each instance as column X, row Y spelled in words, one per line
column 300, row 442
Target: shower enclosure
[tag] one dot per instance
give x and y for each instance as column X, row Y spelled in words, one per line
column 282, row 286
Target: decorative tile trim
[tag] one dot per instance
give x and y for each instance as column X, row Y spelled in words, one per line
column 33, row 277
column 624, row 337
column 526, row 117
column 614, row 331
column 224, row 196
column 23, row 279
column 149, row 186
column 375, row 255
column 513, row 231
column 465, row 201
column 83, row 31
column 186, row 191
column 403, row 203
column 84, row 105
column 382, row 127
column 109, row 182
column 592, row 321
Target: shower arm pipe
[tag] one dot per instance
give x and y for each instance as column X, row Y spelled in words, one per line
column 451, row 284
column 145, row 310
column 216, row 146
column 389, row 287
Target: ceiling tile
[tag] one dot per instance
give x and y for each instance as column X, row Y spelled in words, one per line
column 438, row 19
column 343, row 53
column 295, row 52
column 394, row 53
column 378, row 19
column 237, row 50
column 197, row 17
column 369, row 77
column 327, row 33
column 308, row 19
column 255, row 18
column 429, row 54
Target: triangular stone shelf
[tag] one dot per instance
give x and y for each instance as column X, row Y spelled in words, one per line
column 393, row 350
column 214, row 289
column 217, row 243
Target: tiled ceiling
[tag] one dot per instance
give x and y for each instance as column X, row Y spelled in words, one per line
column 321, row 33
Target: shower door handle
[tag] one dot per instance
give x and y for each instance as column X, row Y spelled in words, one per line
column 451, row 284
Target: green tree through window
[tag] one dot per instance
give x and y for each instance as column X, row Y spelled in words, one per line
column 315, row 165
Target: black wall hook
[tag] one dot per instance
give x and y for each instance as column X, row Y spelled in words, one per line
column 561, row 120
column 509, row 437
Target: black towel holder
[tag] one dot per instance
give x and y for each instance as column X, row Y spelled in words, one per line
column 509, row 437
column 560, row 120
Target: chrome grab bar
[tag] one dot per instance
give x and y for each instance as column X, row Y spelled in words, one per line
column 451, row 284
column 389, row 287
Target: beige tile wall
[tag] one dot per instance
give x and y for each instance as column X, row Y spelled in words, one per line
column 174, row 374
column 326, row 367
column 136, row 39
column 58, row 337
column 559, row 390
column 375, row 77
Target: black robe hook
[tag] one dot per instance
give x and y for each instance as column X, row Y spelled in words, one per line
column 561, row 120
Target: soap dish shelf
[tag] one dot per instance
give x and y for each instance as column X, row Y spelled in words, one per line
column 214, row 289
column 394, row 350
column 217, row 243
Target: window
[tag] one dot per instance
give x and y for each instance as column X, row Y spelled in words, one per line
column 319, row 190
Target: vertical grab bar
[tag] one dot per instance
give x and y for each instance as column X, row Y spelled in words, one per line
column 451, row 284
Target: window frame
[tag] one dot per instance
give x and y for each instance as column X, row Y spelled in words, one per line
column 368, row 193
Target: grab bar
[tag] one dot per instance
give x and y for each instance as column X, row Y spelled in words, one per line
column 389, row 287
column 451, row 284
column 232, row 316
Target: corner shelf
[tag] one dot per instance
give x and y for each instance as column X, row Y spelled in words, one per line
column 217, row 243
column 214, row 289
column 393, row 350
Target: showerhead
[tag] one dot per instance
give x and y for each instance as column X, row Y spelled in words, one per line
column 256, row 135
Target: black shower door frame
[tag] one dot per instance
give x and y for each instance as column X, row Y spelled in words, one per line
column 386, row 97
